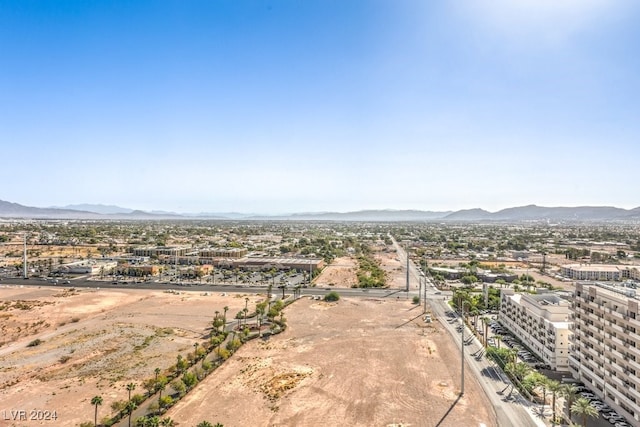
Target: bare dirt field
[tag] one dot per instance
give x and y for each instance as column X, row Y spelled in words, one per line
column 94, row 342
column 341, row 273
column 357, row 362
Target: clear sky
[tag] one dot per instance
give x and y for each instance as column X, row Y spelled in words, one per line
column 291, row 106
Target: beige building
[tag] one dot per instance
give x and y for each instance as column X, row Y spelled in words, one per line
column 223, row 253
column 541, row 322
column 161, row 250
column 606, row 345
column 600, row 272
column 592, row 272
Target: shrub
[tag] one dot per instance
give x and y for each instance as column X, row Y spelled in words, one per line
column 137, row 399
column 35, row 342
column 332, row 296
column 64, row 359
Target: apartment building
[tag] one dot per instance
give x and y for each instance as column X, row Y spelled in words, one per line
column 605, row 351
column 600, row 272
column 541, row 322
column 592, row 272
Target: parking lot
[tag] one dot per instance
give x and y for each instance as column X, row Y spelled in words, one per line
column 608, row 417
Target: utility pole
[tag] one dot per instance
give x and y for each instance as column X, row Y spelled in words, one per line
column 462, row 352
column 407, row 253
column 425, row 293
column 24, row 259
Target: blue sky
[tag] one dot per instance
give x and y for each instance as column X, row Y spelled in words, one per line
column 289, row 106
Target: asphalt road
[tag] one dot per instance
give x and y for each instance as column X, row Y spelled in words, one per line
column 242, row 288
column 518, row 412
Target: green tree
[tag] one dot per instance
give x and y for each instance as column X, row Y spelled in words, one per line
column 570, row 393
column 555, row 388
column 130, row 388
column 582, row 408
column 469, row 279
column 131, row 406
column 96, row 401
column 190, row 380
column 179, row 387
column 165, row 402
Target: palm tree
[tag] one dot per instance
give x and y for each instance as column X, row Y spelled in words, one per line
column 498, row 338
column 167, row 422
column 570, row 392
column 554, row 387
column 130, row 388
column 543, row 382
column 485, row 323
column 224, row 318
column 517, row 370
column 96, row 401
column 582, row 407
column 204, row 424
column 131, row 406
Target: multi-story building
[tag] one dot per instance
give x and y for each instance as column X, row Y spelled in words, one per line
column 592, row 271
column 161, row 250
column 539, row 321
column 599, row 272
column 605, row 351
column 223, row 252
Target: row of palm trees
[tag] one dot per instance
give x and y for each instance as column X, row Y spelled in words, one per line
column 528, row 380
column 159, row 382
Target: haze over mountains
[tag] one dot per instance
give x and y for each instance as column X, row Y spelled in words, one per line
column 515, row 214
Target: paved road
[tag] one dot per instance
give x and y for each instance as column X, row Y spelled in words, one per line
column 518, row 412
column 242, row 288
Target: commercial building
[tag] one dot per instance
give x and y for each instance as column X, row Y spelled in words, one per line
column 223, row 253
column 161, row 250
column 92, row 267
column 605, row 351
column 541, row 322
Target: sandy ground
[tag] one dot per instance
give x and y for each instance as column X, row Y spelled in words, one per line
column 110, row 338
column 357, row 362
column 341, row 273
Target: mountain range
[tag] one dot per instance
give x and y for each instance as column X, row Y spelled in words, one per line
column 515, row 214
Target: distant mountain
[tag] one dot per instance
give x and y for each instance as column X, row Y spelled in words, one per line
column 541, row 213
column 101, row 209
column 372, row 215
column 15, row 210
column 469, row 215
column 580, row 213
column 516, row 214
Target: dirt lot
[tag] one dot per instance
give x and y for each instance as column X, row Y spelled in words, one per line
column 357, row 362
column 341, row 273
column 110, row 338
